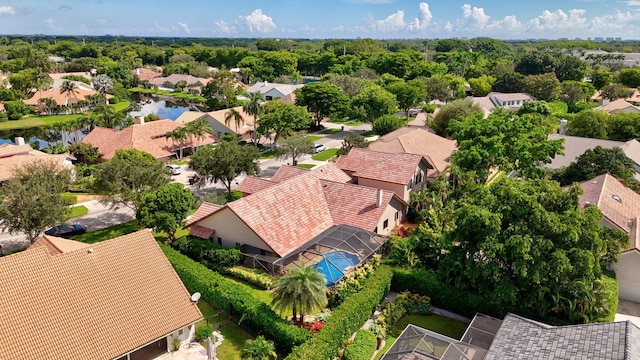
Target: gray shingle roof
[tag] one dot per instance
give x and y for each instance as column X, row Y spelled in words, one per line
column 521, row 338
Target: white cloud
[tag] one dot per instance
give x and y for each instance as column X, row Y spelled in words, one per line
column 258, row 22
column 49, row 22
column 396, row 23
column 7, row 10
column 393, row 22
column 423, row 20
column 184, row 27
column 474, row 17
column 558, row 20
column 102, row 22
column 224, row 27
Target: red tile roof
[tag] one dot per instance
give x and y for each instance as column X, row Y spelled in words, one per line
column 202, row 232
column 145, row 74
column 418, row 141
column 16, row 156
column 202, row 212
column 56, row 245
column 62, row 99
column 99, row 301
column 149, row 137
column 618, row 203
column 287, row 172
column 376, row 165
column 355, row 205
column 252, row 184
column 286, row 215
column 328, row 171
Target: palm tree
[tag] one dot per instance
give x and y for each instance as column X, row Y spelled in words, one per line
column 178, row 135
column 258, row 349
column 254, row 107
column 235, row 116
column 198, row 128
column 69, row 88
column 302, row 289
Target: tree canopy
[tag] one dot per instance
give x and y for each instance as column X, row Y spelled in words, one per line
column 166, row 208
column 295, row 146
column 280, row 119
column 323, row 99
column 223, row 162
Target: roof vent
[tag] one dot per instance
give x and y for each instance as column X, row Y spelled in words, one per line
column 630, row 223
column 617, row 198
column 90, row 250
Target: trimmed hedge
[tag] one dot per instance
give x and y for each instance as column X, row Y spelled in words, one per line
column 236, row 299
column 363, row 346
column 610, row 285
column 207, row 253
column 346, row 318
column 261, row 280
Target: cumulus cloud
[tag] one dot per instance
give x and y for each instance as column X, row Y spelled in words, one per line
column 102, row 22
column 257, row 22
column 224, row 27
column 49, row 22
column 396, row 22
column 474, row 16
column 424, row 18
column 558, row 19
column 7, row 10
column 184, row 27
column 393, row 22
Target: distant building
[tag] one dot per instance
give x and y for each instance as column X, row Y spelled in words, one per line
column 272, row 91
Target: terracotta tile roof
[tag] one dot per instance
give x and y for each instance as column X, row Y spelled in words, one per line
column 252, row 184
column 145, row 74
column 392, row 168
column 189, row 116
column 355, row 205
column 15, row 156
column 418, row 141
column 56, row 245
column 620, row 105
column 618, row 203
column 287, row 172
column 149, row 137
column 10, row 149
column 123, row 292
column 289, row 98
column 331, row 172
column 61, row 98
column 286, row 215
column 202, row 212
column 176, row 78
column 201, row 231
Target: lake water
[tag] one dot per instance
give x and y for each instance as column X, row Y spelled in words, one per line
column 164, row 109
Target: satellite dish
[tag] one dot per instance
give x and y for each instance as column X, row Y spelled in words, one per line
column 195, row 297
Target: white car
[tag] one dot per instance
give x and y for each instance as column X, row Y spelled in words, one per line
column 319, row 148
column 175, row 169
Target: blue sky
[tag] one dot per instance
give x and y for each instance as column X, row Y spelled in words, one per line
column 383, row 19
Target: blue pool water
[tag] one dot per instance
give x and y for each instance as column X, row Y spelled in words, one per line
column 333, row 264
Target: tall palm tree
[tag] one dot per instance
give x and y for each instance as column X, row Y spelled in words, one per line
column 235, row 116
column 302, row 289
column 178, row 135
column 69, row 88
column 253, row 107
column 258, row 349
column 198, row 128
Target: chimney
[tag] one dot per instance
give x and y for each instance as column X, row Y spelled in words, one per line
column 563, row 127
column 138, row 71
column 605, row 102
column 19, row 140
column 379, row 199
column 138, row 120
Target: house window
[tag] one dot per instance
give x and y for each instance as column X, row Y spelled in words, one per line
column 385, row 224
column 268, row 97
column 219, row 240
column 180, row 332
column 396, row 217
column 375, row 230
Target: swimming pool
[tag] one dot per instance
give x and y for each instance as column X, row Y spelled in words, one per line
column 334, row 263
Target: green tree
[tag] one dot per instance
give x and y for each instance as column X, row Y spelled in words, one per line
column 454, row 110
column 258, row 349
column 70, row 89
column 166, row 208
column 570, row 68
column 386, row 124
column 128, row 177
column 597, row 161
column 630, row 77
column 180, row 136
column 223, row 162
column 84, row 152
column 590, row 123
column 408, row 94
column 198, row 129
column 510, row 82
column 32, row 199
column 535, row 107
column 322, row 99
column 295, row 146
column 372, row 102
column 222, row 90
column 535, row 62
column 253, row 107
column 573, row 92
column 350, row 86
column 102, row 83
column 303, row 290
column 233, row 115
column 481, row 86
column 281, row 119
column 601, row 78
column 616, row 91
column 543, row 86
column 438, row 88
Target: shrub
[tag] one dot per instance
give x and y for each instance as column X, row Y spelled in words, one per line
column 391, row 313
column 4, row 117
column 429, row 108
column 69, row 198
column 209, row 254
column 114, row 100
column 262, row 280
column 386, row 124
column 236, row 299
column 610, row 286
column 203, row 332
column 363, row 346
column 16, row 109
column 346, row 318
column 79, row 78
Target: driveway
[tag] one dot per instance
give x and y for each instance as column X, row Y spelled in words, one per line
column 628, row 310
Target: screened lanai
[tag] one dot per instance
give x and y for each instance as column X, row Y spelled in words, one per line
column 334, row 252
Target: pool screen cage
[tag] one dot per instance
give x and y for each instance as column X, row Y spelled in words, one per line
column 344, row 242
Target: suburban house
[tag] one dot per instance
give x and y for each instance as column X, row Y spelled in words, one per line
column 15, row 156
column 620, row 207
column 150, row 137
column 618, row 106
column 401, row 173
column 635, row 97
column 574, row 146
column 59, row 79
column 516, row 337
column 509, row 101
column 220, row 126
column 301, row 219
column 272, row 91
column 172, row 81
column 61, row 98
column 417, row 140
column 117, row 299
column 145, row 74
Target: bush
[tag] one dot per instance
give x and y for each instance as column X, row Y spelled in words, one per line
column 363, row 346
column 203, row 332
column 262, row 280
column 4, row 117
column 346, row 318
column 429, row 108
column 16, row 109
column 610, row 286
column 69, row 198
column 209, row 254
column 387, row 124
column 236, row 299
column 391, row 313
column 114, row 100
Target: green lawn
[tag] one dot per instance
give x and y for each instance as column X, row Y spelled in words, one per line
column 269, row 154
column 234, row 338
column 355, row 123
column 305, row 166
column 330, row 131
column 313, row 137
column 325, row 155
column 438, row 323
column 111, row 232
column 339, row 121
column 179, row 162
column 78, row 211
column 368, row 133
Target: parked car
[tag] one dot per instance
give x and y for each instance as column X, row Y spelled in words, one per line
column 175, row 169
column 66, row 230
column 319, row 148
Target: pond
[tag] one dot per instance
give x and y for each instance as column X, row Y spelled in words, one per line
column 164, row 107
